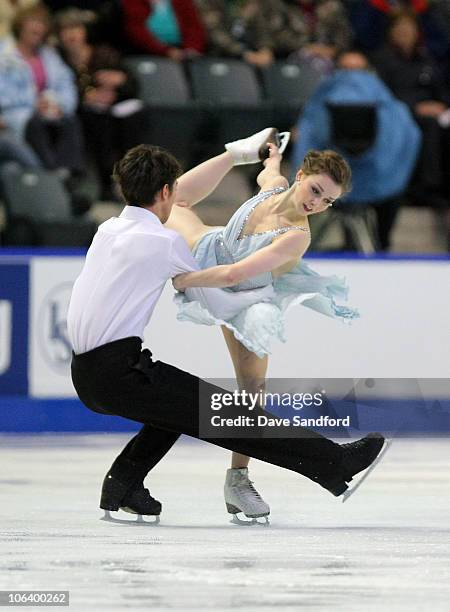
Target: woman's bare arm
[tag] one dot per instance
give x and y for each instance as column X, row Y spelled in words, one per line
column 271, row 176
column 288, row 247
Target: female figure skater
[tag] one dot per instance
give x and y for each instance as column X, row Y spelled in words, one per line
column 262, row 244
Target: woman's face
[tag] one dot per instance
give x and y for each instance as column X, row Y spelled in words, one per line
column 314, row 193
column 352, row 61
column 72, row 36
column 404, row 33
column 33, row 32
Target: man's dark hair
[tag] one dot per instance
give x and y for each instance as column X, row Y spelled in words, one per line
column 143, row 171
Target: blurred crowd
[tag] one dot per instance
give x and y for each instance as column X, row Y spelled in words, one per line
column 67, row 98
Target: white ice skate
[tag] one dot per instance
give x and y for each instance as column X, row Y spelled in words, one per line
column 254, row 148
column 241, row 496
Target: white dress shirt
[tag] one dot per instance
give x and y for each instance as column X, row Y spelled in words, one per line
column 129, row 262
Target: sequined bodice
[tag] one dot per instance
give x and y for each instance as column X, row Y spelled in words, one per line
column 231, row 245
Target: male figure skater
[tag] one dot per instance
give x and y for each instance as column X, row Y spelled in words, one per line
column 130, row 260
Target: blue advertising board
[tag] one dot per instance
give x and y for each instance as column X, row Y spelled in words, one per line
column 14, row 309
column 36, row 393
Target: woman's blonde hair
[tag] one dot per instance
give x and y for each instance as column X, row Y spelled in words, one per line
column 330, row 163
column 36, row 11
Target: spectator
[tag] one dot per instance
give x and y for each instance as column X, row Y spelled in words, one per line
column 14, row 150
column 111, row 114
column 327, row 31
column 381, row 174
column 8, row 10
column 260, row 31
column 370, row 19
column 442, row 11
column 249, row 30
column 87, row 5
column 413, row 76
column 38, row 96
column 107, row 26
column 163, row 27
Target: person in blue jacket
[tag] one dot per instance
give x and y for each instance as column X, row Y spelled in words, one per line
column 38, row 95
column 380, row 175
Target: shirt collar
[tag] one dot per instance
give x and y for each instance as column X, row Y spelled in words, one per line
column 136, row 213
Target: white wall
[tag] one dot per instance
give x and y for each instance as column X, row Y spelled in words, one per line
column 404, row 329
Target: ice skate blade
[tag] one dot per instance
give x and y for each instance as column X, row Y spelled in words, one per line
column 139, row 520
column 368, row 471
column 252, row 521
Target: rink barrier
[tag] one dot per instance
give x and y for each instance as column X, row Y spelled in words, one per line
column 28, row 415
column 35, row 389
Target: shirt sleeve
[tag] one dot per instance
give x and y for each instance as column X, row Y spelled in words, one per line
column 181, row 259
column 221, row 304
column 61, row 80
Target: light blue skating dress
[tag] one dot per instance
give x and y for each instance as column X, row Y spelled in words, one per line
column 255, row 326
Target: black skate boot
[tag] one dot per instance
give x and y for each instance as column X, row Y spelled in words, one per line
column 140, row 501
column 115, row 494
column 357, row 456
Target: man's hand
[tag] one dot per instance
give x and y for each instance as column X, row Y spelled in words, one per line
column 110, row 78
column 430, row 108
column 175, row 54
column 177, row 281
column 48, row 108
column 100, row 97
column 261, row 59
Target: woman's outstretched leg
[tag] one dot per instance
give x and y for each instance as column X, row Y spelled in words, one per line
column 194, row 186
column 251, row 370
column 188, row 224
column 197, row 184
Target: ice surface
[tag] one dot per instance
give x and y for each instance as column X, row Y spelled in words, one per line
column 387, row 548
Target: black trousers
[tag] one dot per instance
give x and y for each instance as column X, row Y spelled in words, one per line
column 119, row 378
column 59, row 144
column 432, row 174
column 386, row 213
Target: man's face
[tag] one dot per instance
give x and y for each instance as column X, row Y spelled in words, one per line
column 353, row 61
column 404, row 33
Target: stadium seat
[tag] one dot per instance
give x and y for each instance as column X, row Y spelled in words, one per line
column 173, row 118
column 288, row 85
column 231, row 98
column 38, row 211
